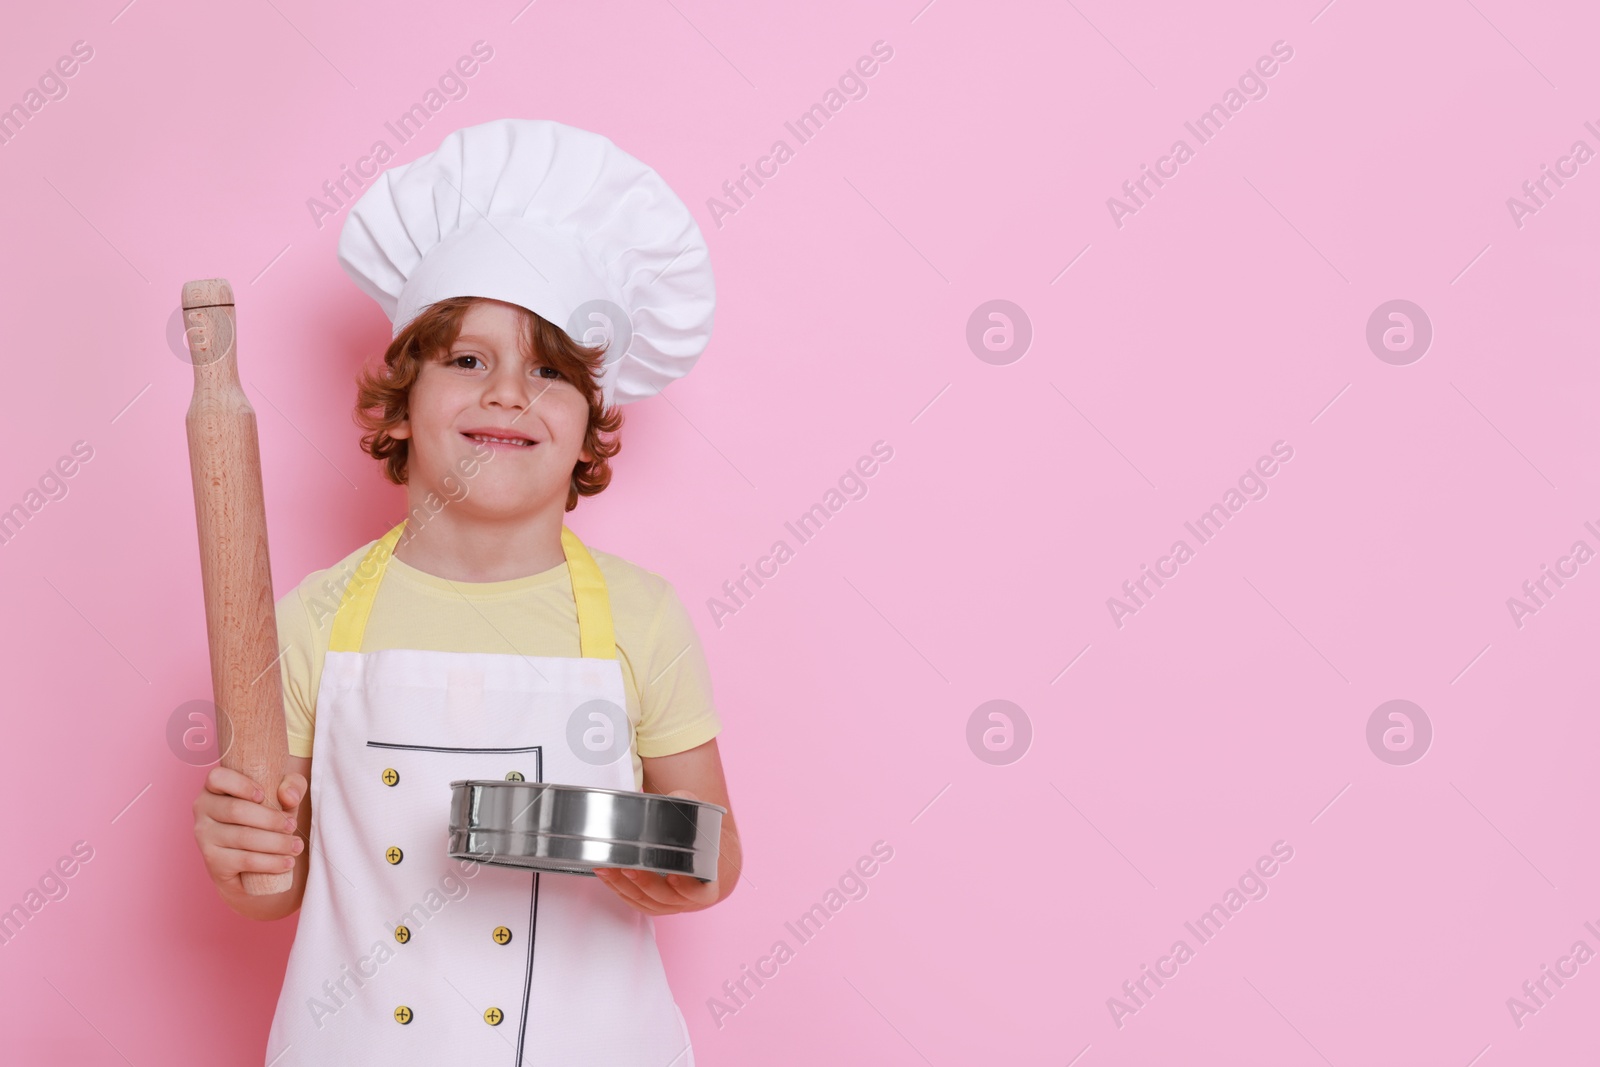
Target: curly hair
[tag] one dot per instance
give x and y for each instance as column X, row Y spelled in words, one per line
column 382, row 392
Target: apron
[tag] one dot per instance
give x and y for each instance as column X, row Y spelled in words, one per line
column 406, row 956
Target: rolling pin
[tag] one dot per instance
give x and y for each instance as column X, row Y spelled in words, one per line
column 230, row 515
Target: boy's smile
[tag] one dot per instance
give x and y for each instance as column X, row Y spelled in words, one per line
column 504, row 438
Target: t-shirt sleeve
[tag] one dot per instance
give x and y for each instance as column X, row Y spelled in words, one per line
column 675, row 702
column 295, row 640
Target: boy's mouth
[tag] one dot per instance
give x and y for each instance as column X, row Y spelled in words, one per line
column 513, row 440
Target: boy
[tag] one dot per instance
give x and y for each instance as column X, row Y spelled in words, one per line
column 479, row 636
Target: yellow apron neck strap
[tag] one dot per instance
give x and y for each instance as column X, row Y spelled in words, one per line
column 596, row 637
column 355, row 604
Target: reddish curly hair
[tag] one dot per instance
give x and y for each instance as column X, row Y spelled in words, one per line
column 382, row 392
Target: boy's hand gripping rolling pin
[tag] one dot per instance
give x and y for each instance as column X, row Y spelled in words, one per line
column 241, row 625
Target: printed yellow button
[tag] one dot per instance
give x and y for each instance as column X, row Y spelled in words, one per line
column 514, row 776
column 493, row 1016
column 402, row 934
column 502, row 935
column 402, row 1015
column 391, row 776
column 394, row 855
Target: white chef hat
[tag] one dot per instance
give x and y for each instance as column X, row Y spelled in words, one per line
column 554, row 219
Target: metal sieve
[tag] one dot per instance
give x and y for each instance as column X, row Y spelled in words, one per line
column 573, row 829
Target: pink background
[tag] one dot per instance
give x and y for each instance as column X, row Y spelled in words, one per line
column 1227, row 314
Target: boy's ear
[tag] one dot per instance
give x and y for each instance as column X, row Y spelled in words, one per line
column 401, row 431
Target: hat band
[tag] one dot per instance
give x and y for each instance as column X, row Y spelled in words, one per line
column 511, row 259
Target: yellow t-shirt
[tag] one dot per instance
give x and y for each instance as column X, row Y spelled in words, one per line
column 664, row 669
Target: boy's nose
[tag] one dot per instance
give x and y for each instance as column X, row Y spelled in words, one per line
column 509, row 390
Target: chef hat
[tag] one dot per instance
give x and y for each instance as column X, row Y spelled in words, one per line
column 554, row 219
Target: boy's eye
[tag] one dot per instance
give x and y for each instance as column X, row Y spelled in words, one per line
column 456, row 360
column 553, row 372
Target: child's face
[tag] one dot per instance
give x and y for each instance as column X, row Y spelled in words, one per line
column 483, row 384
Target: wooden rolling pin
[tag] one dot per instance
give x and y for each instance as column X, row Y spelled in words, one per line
column 231, row 516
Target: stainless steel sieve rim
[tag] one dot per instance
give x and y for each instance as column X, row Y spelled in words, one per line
column 586, row 789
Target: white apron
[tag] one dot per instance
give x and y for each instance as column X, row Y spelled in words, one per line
column 405, row 956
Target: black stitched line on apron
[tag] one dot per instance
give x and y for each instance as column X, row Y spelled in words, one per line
column 533, row 928
column 443, row 748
